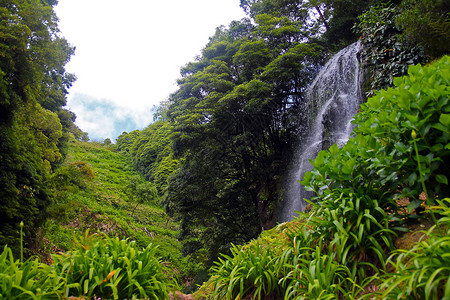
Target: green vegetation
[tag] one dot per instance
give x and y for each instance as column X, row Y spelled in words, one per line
column 101, row 199
column 111, row 268
column 98, row 266
column 224, row 137
column 427, row 23
column 423, row 272
column 95, row 197
column 211, row 165
column 34, row 126
column 342, row 246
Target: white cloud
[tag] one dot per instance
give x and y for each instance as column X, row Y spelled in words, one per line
column 130, row 52
column 103, row 118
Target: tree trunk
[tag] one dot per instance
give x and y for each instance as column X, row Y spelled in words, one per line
column 265, row 212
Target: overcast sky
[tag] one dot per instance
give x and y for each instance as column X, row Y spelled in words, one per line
column 129, row 54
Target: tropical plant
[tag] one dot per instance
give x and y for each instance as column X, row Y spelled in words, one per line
column 111, row 268
column 251, row 271
column 411, row 163
column 423, row 272
column 28, row 280
column 357, row 226
column 314, row 274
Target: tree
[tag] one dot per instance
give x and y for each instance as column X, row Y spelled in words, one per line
column 231, row 130
column 140, row 192
column 427, row 23
column 33, row 86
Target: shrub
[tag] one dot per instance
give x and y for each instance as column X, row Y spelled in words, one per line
column 111, row 268
column 423, row 272
column 419, row 103
column 98, row 267
column 382, row 157
column 28, row 280
column 252, row 271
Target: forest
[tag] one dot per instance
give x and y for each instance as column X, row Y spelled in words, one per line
column 190, row 204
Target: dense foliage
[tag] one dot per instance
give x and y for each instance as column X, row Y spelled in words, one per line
column 426, row 22
column 224, row 137
column 99, row 266
column 231, row 123
column 341, row 248
column 232, row 129
column 111, row 268
column 385, row 55
column 383, row 158
column 99, row 190
column 215, row 158
column 34, row 127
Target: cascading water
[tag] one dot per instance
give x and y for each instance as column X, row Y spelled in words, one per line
column 332, row 101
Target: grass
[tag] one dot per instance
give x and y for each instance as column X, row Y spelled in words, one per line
column 100, row 204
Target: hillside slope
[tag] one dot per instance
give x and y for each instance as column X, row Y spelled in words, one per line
column 91, row 187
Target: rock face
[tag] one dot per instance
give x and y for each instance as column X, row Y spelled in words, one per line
column 180, row 296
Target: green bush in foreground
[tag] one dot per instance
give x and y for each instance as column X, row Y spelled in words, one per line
column 99, row 266
column 28, row 280
column 250, row 271
column 111, row 268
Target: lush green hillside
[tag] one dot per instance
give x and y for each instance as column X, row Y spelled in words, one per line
column 92, row 192
column 215, row 157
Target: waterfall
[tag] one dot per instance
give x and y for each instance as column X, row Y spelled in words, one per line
column 332, row 100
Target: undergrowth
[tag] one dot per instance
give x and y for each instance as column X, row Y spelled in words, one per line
column 344, row 248
column 99, row 201
column 98, row 266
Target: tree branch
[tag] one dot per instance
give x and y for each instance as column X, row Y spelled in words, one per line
column 322, row 17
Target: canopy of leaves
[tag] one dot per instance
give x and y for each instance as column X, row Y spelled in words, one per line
column 33, row 126
column 426, row 22
column 232, row 128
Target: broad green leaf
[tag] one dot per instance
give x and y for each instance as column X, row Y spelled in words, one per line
column 441, row 179
column 445, row 120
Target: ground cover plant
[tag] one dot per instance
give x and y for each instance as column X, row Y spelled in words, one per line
column 99, row 266
column 101, row 201
column 399, row 154
column 423, row 272
column 112, row 269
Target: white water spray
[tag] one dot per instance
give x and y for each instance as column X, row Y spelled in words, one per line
column 332, row 101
